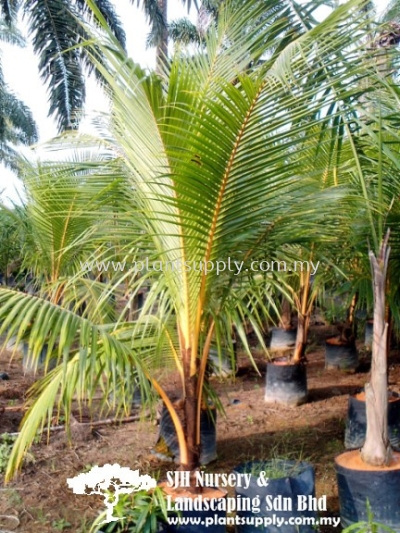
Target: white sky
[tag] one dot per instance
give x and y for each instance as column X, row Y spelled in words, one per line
column 20, row 67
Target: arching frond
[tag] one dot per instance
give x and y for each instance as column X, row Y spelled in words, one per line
column 9, row 33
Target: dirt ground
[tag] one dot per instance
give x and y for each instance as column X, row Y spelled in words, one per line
column 40, row 500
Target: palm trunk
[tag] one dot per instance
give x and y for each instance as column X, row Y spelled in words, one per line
column 376, row 450
column 348, row 330
column 389, row 321
column 191, row 401
column 304, row 311
column 286, row 315
column 301, row 338
column 162, row 46
column 352, row 310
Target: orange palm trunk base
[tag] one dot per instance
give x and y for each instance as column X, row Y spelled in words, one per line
column 360, row 396
column 352, row 460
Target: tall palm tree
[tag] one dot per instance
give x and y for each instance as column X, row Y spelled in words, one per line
column 217, row 161
column 55, row 29
column 17, row 125
column 157, row 15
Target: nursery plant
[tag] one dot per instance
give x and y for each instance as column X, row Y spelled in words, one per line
column 376, row 238
column 141, row 512
column 204, row 153
column 62, row 202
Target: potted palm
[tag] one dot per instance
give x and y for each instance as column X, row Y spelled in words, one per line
column 286, row 379
column 340, row 350
column 373, row 474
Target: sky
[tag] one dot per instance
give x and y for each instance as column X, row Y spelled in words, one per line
column 21, row 73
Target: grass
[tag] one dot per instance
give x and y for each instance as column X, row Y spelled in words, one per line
column 276, row 468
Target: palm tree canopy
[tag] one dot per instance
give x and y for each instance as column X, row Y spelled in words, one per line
column 17, row 125
column 55, row 29
column 9, row 8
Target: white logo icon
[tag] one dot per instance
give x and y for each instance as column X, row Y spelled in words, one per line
column 110, row 481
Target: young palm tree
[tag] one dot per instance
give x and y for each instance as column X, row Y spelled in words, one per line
column 374, row 242
column 213, row 166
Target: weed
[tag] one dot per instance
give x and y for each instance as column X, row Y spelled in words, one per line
column 274, row 468
column 369, row 525
column 85, row 526
column 6, row 444
column 13, row 497
column 61, row 524
column 40, row 516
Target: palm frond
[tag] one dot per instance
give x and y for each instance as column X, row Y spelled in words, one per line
column 9, row 9
column 391, row 12
column 107, row 10
column 20, row 120
column 183, row 31
column 25, row 316
column 9, row 33
column 54, row 28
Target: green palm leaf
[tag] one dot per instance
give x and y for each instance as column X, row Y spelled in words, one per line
column 9, row 8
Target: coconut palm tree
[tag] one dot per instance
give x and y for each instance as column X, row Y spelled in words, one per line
column 205, row 157
column 374, row 242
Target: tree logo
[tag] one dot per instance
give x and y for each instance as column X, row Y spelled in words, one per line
column 110, row 481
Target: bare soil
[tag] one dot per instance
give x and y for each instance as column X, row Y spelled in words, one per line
column 40, row 500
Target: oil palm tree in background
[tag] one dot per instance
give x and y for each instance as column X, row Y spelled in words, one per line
column 16, row 122
column 289, row 19
column 55, row 30
column 216, row 161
